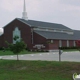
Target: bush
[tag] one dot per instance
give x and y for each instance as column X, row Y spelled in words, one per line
column 67, row 48
column 1, row 48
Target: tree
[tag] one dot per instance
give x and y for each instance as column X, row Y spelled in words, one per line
column 17, row 47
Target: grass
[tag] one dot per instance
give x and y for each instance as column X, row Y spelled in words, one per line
column 70, row 50
column 37, row 70
column 7, row 52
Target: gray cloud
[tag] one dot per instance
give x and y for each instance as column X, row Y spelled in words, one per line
column 70, row 2
column 66, row 12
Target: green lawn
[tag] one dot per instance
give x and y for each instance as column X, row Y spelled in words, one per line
column 37, row 70
column 7, row 52
column 70, row 50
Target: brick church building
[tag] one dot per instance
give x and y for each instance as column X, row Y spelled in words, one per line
column 39, row 35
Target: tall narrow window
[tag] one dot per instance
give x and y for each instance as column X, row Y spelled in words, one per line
column 16, row 32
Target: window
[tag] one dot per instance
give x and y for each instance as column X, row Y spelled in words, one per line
column 16, row 32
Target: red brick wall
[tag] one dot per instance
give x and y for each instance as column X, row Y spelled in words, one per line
column 71, row 43
column 26, row 36
column 64, row 43
column 53, row 45
column 24, row 29
column 38, row 39
column 1, row 40
column 56, row 42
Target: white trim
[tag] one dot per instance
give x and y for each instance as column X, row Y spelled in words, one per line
column 54, row 30
column 60, row 43
column 67, row 43
column 24, row 14
column 74, row 43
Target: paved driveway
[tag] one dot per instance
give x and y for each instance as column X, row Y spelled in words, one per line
column 49, row 56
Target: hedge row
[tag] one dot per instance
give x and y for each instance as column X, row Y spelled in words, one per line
column 2, row 48
column 67, row 47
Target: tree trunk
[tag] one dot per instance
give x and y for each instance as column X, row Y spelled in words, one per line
column 17, row 57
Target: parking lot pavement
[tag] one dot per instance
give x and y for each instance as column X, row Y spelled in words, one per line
column 49, row 56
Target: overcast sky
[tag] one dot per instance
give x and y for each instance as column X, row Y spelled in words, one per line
column 66, row 12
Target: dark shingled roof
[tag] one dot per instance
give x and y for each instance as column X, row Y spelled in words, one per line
column 77, row 34
column 59, row 35
column 52, row 35
column 44, row 24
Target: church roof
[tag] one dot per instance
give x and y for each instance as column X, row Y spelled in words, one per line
column 52, row 35
column 58, row 35
column 41, row 24
column 77, row 34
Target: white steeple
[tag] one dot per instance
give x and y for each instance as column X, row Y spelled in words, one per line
column 24, row 14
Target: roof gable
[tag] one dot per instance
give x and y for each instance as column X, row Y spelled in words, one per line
column 21, row 20
column 40, row 24
column 44, row 24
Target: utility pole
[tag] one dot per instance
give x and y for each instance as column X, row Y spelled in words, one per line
column 60, row 52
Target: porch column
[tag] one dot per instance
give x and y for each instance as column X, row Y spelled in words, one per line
column 60, row 43
column 74, row 43
column 67, row 43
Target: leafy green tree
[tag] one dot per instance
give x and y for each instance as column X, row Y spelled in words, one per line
column 17, row 47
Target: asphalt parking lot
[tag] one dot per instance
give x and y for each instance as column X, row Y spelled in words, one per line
column 48, row 56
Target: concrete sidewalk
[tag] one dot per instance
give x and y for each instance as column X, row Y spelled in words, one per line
column 49, row 56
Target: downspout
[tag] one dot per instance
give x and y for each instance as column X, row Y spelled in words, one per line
column 32, row 35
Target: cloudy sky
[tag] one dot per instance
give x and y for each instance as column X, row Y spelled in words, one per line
column 66, row 12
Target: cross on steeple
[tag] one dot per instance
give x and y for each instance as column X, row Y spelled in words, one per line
column 24, row 14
